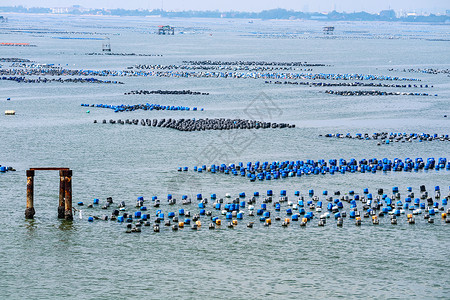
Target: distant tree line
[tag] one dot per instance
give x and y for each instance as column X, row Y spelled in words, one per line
column 279, row 13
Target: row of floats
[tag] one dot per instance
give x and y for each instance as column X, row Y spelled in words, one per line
column 284, row 169
column 23, row 79
column 375, row 93
column 146, row 106
column 165, row 92
column 210, row 67
column 351, row 84
column 4, row 169
column 51, row 71
column 202, row 124
column 265, row 210
column 387, row 138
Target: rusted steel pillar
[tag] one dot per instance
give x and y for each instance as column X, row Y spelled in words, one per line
column 29, row 211
column 61, row 205
column 68, row 214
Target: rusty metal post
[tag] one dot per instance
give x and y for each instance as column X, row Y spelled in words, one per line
column 29, row 211
column 61, row 205
column 68, row 214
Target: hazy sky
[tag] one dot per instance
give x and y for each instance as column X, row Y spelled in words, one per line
column 248, row 5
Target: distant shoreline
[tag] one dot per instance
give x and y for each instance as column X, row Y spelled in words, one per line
column 273, row 14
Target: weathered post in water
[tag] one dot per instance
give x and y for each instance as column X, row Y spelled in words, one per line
column 29, row 211
column 61, row 206
column 65, row 192
column 68, row 194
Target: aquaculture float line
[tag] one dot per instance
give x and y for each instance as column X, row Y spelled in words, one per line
column 147, row 106
column 251, row 63
column 368, row 84
column 193, row 74
column 76, row 38
column 202, row 124
column 14, row 60
column 386, row 137
column 16, row 45
column 374, row 93
column 160, row 92
column 284, row 211
column 4, row 169
column 59, row 80
column 277, row 170
column 122, row 54
column 424, row 71
column 209, row 67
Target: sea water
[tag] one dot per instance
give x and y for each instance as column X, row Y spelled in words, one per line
column 47, row 258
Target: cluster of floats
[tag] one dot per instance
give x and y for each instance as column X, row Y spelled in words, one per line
column 284, row 169
column 60, row 71
column 252, row 63
column 17, row 45
column 165, row 92
column 146, row 106
column 210, row 67
column 387, row 138
column 425, row 71
column 375, row 93
column 263, row 211
column 14, row 60
column 351, row 84
column 122, row 54
column 22, row 79
column 4, row 169
column 202, row 124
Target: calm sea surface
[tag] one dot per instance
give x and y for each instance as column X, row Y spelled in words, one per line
column 47, row 258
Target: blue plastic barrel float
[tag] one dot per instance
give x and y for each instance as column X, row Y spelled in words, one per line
column 276, row 169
